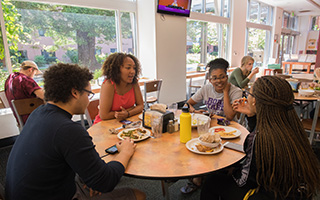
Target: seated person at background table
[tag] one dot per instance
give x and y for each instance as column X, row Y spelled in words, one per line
column 218, row 95
column 20, row 85
column 51, row 149
column 241, row 76
column 120, row 95
column 279, row 162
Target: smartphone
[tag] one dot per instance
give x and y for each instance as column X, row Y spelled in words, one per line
column 112, row 150
column 234, row 146
column 125, row 122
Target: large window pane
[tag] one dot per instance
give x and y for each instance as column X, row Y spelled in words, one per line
column 3, row 68
column 211, row 7
column 254, row 12
column 127, row 29
column 264, row 14
column 315, row 23
column 205, row 41
column 257, row 45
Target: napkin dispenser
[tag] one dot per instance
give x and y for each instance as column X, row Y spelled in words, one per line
column 165, row 117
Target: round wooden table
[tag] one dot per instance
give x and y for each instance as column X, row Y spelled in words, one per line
column 166, row 157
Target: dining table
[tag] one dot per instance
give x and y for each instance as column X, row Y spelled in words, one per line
column 166, row 158
column 304, row 102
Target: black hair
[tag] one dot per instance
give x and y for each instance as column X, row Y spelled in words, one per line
column 218, row 63
column 61, row 78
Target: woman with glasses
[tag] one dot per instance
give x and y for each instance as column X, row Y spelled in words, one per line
column 218, row 96
column 279, row 161
column 241, row 76
column 120, row 95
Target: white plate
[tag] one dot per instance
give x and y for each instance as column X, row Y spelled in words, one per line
column 145, row 135
column 191, row 145
column 227, row 129
column 194, row 119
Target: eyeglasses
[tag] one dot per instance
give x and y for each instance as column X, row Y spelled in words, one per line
column 247, row 93
column 90, row 95
column 216, row 78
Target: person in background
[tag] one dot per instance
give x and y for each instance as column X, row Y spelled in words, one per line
column 120, row 95
column 218, row 96
column 279, row 161
column 241, row 76
column 51, row 149
column 20, row 85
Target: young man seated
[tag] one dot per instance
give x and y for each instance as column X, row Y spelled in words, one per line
column 51, row 149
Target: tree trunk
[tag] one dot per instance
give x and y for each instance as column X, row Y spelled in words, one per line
column 86, row 50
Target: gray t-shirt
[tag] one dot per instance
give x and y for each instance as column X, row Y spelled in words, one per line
column 213, row 99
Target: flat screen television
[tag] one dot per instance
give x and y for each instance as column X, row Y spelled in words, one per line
column 174, row 7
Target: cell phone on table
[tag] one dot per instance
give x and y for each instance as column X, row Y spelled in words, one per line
column 125, row 122
column 234, row 146
column 112, row 150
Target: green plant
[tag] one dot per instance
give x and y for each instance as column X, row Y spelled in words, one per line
column 97, row 73
column 101, row 58
column 72, row 55
column 40, row 60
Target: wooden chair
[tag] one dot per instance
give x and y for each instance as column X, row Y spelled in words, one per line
column 313, row 125
column 151, row 86
column 25, row 107
column 92, row 111
column 4, row 99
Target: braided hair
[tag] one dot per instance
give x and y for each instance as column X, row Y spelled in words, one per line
column 285, row 160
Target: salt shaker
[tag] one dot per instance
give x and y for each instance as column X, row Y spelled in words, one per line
column 170, row 127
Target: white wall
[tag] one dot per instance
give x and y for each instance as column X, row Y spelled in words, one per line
column 304, row 27
column 276, row 30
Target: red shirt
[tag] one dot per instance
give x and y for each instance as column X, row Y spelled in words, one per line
column 20, row 86
column 126, row 101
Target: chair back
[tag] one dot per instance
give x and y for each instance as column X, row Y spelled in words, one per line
column 277, row 71
column 92, row 111
column 314, row 122
column 152, row 86
column 4, row 99
column 25, row 107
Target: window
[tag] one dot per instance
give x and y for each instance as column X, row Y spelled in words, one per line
column 259, row 26
column 290, row 21
column 66, row 33
column 207, row 38
column 315, row 23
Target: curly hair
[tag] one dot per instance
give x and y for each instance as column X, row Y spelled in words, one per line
column 218, row 63
column 284, row 158
column 61, row 78
column 111, row 67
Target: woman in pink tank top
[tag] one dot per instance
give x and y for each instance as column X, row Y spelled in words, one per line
column 120, row 94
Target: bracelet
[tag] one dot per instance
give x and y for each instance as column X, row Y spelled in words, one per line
column 128, row 113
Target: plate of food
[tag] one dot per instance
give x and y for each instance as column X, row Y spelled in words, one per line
column 226, row 132
column 136, row 134
column 194, row 146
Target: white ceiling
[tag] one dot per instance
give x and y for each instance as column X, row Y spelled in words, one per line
column 299, row 7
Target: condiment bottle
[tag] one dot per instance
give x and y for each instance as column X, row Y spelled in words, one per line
column 170, row 127
column 185, row 124
column 176, row 125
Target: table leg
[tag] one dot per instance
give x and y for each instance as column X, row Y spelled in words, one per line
column 165, row 189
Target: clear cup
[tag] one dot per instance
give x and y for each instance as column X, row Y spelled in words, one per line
column 156, row 127
column 173, row 108
column 203, row 125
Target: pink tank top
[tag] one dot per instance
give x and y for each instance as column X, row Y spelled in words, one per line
column 126, row 101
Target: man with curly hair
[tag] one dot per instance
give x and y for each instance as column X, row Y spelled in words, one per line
column 52, row 149
column 20, row 85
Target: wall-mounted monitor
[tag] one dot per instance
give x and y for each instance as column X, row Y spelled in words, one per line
column 174, row 7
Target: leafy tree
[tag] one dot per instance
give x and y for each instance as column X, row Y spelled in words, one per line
column 68, row 25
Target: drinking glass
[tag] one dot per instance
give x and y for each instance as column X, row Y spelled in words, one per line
column 173, row 108
column 156, row 127
column 203, row 125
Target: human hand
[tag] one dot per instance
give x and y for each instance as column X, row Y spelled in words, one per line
column 126, row 146
column 227, row 88
column 123, row 114
column 199, row 111
column 242, row 106
column 255, row 70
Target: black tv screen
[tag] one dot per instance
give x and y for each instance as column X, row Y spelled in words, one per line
column 174, row 7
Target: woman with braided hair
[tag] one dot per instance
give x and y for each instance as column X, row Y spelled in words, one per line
column 279, row 162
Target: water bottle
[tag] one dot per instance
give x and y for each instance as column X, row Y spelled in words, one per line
column 185, row 124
